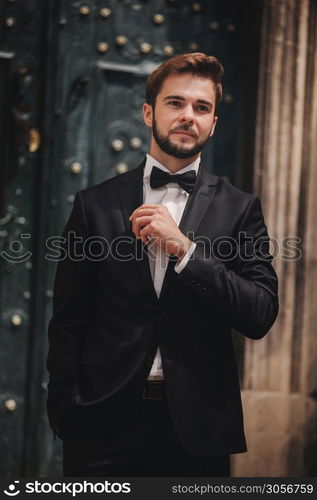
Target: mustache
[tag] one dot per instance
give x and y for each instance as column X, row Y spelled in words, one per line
column 184, row 128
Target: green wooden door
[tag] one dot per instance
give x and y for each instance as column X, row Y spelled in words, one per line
column 72, row 78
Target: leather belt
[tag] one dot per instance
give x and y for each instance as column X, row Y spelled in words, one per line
column 154, row 389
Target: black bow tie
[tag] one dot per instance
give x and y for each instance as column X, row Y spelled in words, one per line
column 160, row 178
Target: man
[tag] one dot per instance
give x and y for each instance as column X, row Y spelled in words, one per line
column 143, row 377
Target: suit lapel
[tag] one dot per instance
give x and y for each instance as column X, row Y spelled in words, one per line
column 131, row 197
column 195, row 209
column 131, row 194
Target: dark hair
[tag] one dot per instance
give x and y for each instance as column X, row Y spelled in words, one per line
column 196, row 63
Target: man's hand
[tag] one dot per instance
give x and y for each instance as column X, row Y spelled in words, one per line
column 155, row 223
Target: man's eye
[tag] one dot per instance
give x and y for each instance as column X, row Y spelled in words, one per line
column 174, row 103
column 201, row 107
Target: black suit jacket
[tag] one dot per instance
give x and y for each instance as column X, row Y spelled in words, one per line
column 107, row 320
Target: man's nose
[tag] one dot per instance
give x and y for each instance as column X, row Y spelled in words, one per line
column 187, row 115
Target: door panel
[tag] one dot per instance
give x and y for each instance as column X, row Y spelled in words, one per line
column 72, row 86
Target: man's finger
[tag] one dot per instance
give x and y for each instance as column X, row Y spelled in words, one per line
column 140, row 212
column 145, row 234
column 144, row 206
column 139, row 223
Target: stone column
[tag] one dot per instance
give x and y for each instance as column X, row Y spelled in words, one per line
column 280, row 371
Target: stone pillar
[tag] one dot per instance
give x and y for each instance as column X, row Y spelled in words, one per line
column 280, row 371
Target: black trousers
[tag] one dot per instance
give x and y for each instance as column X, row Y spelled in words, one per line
column 138, row 440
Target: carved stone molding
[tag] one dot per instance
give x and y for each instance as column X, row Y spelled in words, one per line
column 280, row 376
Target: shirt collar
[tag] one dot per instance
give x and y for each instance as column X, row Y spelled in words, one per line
column 151, row 162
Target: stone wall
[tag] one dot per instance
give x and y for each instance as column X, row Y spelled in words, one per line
column 280, row 373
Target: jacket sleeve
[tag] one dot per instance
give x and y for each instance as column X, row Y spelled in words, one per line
column 72, row 306
column 245, row 290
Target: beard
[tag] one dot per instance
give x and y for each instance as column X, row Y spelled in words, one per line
column 176, row 150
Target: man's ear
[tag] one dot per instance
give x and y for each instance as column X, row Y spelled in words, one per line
column 213, row 126
column 148, row 114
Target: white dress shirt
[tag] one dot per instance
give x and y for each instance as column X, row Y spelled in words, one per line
column 174, row 198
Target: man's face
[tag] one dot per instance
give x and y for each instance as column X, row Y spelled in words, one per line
column 184, row 115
